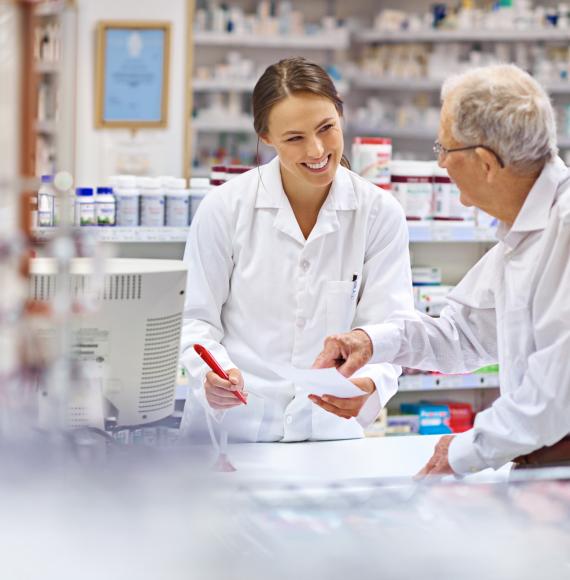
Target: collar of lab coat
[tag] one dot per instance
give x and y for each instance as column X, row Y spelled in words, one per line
column 535, row 212
column 270, row 194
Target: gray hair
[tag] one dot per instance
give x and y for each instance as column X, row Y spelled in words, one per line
column 504, row 108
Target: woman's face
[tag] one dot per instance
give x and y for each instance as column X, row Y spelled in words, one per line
column 305, row 131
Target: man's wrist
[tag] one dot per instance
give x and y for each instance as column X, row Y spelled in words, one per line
column 384, row 341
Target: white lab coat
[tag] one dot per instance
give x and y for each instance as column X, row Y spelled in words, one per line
column 513, row 307
column 259, row 293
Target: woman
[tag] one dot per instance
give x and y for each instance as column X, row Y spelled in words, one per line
column 285, row 255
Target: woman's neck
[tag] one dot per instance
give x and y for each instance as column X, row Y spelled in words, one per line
column 306, row 201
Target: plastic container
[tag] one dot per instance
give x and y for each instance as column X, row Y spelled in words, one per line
column 412, row 187
column 446, row 196
column 85, row 207
column 199, row 187
column 371, row 158
column 152, row 203
column 177, row 204
column 46, row 202
column 426, row 275
column 217, row 174
column 127, row 201
column 105, row 207
column 234, row 171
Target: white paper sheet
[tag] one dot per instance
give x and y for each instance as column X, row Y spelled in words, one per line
column 318, row 381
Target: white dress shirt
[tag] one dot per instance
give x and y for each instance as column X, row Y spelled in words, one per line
column 513, row 307
column 259, row 293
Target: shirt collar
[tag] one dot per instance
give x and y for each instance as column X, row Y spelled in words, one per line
column 535, row 211
column 270, row 193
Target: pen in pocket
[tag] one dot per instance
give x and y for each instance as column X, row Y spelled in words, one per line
column 354, row 285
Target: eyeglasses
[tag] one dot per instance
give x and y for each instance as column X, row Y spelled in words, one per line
column 442, row 151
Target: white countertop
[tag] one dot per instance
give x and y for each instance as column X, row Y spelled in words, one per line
column 374, row 457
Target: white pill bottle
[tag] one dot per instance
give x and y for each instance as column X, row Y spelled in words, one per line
column 412, row 187
column 127, row 200
column 177, row 204
column 199, row 188
column 152, row 202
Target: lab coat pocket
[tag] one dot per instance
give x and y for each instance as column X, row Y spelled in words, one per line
column 340, row 306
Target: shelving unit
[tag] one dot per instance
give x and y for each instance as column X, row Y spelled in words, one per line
column 421, row 231
column 363, row 81
column 48, row 94
column 330, row 41
column 237, row 125
column 360, row 81
column 422, row 383
column 414, row 36
column 229, row 138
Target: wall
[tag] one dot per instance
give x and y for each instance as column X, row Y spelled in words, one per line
column 155, row 152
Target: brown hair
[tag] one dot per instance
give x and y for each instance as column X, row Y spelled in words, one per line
column 287, row 77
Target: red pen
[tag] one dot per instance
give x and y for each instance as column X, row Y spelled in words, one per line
column 209, row 359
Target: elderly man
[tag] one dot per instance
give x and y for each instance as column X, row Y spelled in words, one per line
column 497, row 140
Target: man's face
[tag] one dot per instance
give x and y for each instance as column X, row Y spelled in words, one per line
column 464, row 167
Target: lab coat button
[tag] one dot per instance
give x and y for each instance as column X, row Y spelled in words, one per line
column 305, row 265
column 301, row 322
column 289, row 419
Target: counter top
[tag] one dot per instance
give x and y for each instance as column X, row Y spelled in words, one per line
column 373, row 457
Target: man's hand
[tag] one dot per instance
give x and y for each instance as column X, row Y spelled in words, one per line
column 346, row 407
column 439, row 462
column 347, row 352
column 219, row 392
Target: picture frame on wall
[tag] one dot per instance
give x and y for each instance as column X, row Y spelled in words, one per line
column 132, row 74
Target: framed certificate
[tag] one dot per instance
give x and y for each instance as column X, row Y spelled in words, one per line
column 133, row 61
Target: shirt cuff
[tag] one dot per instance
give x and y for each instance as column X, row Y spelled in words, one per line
column 386, row 341
column 370, row 410
column 463, row 456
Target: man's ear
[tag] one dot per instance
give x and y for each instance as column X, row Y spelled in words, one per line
column 489, row 162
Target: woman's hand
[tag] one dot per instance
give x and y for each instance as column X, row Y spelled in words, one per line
column 219, row 392
column 346, row 407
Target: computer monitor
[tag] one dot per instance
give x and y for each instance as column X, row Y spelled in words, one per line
column 131, row 338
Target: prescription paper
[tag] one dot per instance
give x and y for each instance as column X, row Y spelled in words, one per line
column 317, row 381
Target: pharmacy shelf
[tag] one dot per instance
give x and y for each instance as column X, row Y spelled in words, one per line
column 362, row 81
column 240, row 85
column 46, row 67
column 53, row 8
column 122, row 235
column 228, row 125
column 215, row 85
column 419, row 132
column 559, row 88
column 544, row 35
column 46, row 127
column 420, row 231
column 333, row 40
column 449, row 231
column 201, row 171
column 437, row 382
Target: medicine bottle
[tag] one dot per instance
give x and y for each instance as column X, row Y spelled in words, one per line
column 199, row 187
column 152, row 203
column 127, row 201
column 412, row 187
column 105, row 206
column 371, row 158
column 46, row 202
column 85, row 207
column 177, row 204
